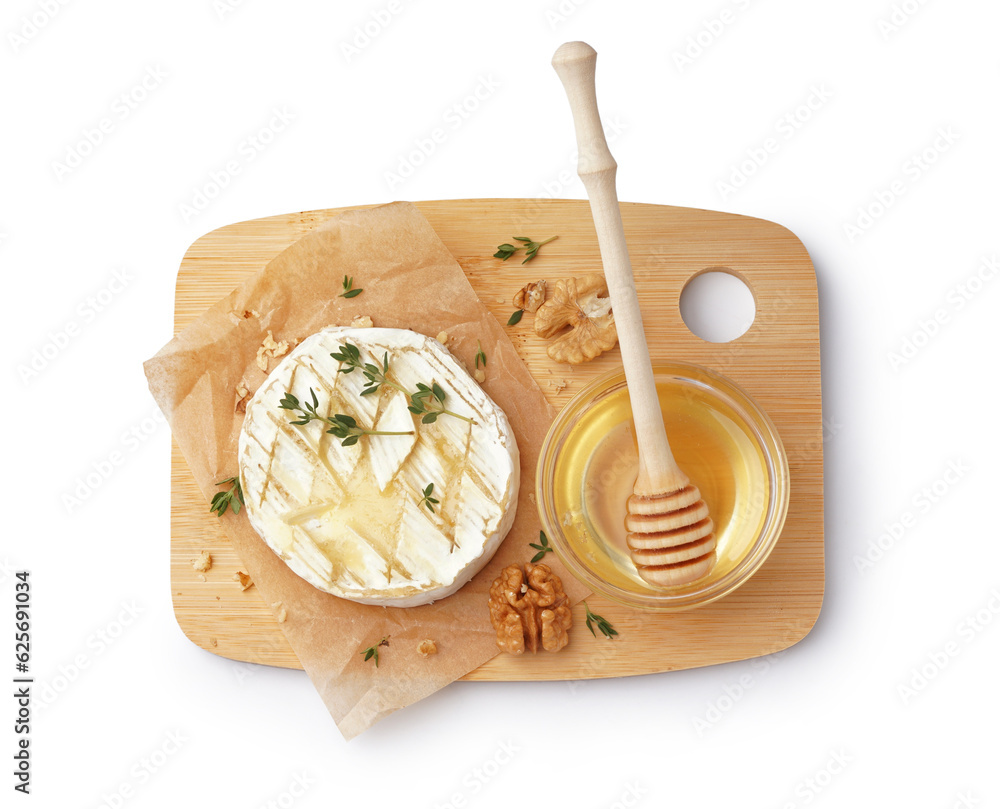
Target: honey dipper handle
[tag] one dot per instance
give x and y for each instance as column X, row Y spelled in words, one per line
column 575, row 62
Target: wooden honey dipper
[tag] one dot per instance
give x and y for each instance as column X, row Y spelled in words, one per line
column 671, row 536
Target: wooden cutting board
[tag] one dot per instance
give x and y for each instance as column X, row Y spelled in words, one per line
column 777, row 361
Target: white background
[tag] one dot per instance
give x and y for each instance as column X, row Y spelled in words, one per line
column 827, row 723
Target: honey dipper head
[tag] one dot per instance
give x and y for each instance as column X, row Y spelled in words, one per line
column 671, row 537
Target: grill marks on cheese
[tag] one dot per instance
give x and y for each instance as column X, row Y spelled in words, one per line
column 348, row 509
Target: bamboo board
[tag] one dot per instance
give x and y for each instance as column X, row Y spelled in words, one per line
column 777, row 360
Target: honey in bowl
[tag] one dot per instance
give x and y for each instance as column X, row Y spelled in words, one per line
column 721, row 439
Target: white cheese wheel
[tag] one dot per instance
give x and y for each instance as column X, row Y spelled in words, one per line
column 349, row 520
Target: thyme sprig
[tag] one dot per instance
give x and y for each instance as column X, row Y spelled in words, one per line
column 602, row 624
column 349, row 290
column 372, row 651
column 427, row 500
column 542, row 546
column 505, row 251
column 480, row 355
column 229, row 499
column 342, row 426
column 375, row 374
column 427, row 401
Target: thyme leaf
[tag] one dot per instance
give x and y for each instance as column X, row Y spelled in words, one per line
column 542, row 546
column 427, row 500
column 530, row 247
column 233, row 498
column 602, row 624
column 372, row 651
column 349, row 290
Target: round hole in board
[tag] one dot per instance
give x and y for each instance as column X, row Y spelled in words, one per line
column 717, row 305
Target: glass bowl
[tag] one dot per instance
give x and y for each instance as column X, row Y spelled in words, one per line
column 722, row 440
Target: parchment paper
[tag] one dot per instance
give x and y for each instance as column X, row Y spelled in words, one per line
column 410, row 280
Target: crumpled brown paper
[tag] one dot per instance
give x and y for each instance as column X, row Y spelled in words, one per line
column 410, row 280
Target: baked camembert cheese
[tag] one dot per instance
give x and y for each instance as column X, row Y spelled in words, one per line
column 352, row 520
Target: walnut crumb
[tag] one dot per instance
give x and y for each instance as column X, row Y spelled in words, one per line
column 242, row 397
column 362, row 322
column 443, row 338
column 203, row 563
column 558, row 385
column 480, row 375
column 270, row 349
column 249, row 313
column 201, row 577
column 427, row 648
column 214, row 641
column 279, row 611
column 245, row 581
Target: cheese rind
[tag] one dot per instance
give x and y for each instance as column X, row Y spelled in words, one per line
column 349, row 520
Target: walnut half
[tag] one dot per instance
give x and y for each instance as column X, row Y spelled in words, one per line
column 583, row 305
column 529, row 608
